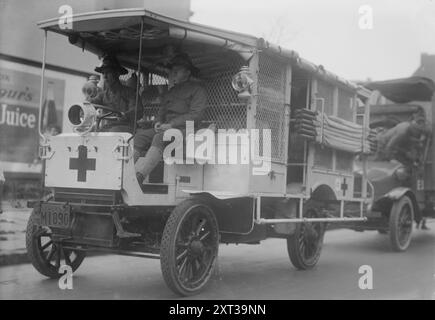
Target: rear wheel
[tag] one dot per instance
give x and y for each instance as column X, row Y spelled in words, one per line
column 305, row 244
column 189, row 247
column 401, row 220
column 46, row 255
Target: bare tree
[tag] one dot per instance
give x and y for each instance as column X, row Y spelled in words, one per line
column 281, row 31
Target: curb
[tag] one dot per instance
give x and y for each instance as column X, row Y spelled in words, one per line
column 13, row 258
column 22, row 258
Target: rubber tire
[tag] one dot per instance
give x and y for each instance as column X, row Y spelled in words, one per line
column 167, row 257
column 293, row 248
column 393, row 222
column 37, row 260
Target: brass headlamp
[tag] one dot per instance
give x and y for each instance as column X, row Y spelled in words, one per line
column 83, row 117
column 242, row 82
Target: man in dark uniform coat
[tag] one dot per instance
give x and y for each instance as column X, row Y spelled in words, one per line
column 185, row 101
column 115, row 95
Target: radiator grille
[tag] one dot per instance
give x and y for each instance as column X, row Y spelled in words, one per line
column 86, row 196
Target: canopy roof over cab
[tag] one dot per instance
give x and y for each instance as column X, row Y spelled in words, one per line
column 118, row 32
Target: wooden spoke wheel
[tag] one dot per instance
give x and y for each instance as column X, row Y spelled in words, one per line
column 189, row 247
column 401, row 221
column 46, row 255
column 305, row 244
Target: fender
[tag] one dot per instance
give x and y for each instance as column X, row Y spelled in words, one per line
column 396, row 193
column 322, row 191
column 221, row 195
column 234, row 212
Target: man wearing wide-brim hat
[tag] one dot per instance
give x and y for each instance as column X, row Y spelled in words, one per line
column 115, row 95
column 186, row 100
column 403, row 142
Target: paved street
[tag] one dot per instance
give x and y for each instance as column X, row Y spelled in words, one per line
column 253, row 272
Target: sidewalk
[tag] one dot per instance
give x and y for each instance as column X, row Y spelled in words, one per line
column 13, row 222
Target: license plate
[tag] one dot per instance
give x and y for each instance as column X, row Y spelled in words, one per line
column 55, row 215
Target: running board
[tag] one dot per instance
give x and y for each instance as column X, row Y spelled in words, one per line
column 299, row 220
column 115, row 251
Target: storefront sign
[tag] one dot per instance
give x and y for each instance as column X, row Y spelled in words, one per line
column 19, row 102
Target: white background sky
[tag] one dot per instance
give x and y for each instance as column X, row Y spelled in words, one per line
column 327, row 31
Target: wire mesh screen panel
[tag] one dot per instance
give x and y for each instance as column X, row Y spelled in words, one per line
column 271, row 104
column 130, row 79
column 225, row 109
column 156, row 85
column 156, row 80
column 148, row 91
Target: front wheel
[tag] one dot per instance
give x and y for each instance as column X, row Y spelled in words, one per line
column 189, row 247
column 305, row 244
column 46, row 255
column 401, row 220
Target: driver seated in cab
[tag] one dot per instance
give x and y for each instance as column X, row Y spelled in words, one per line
column 115, row 95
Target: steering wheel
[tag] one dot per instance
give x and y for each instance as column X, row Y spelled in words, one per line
column 110, row 111
column 110, row 114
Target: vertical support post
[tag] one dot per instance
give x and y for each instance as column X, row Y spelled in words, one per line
column 251, row 107
column 41, row 101
column 304, row 171
column 310, row 147
column 258, row 215
column 309, row 107
column 251, row 111
column 335, row 107
column 366, row 122
column 322, row 110
column 138, row 79
column 341, row 208
column 41, row 92
column 287, row 110
column 301, row 208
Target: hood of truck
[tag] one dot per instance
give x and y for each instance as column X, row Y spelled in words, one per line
column 93, row 161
